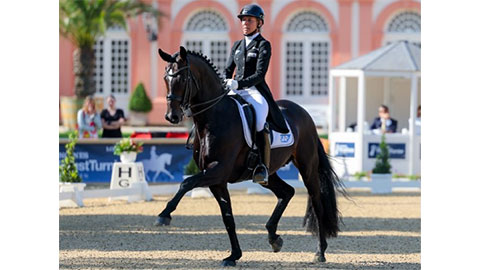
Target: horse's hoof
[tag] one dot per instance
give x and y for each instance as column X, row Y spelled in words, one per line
column 162, row 221
column 228, row 263
column 277, row 244
column 319, row 258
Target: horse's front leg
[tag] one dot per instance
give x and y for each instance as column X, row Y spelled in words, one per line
column 223, row 198
column 203, row 179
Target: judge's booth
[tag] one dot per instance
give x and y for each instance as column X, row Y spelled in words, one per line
column 389, row 75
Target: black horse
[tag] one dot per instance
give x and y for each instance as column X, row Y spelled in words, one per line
column 195, row 87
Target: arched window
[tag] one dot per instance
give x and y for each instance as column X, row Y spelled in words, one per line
column 404, row 26
column 206, row 32
column 306, row 58
column 112, row 65
column 307, row 22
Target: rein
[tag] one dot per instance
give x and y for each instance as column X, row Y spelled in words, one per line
column 185, row 99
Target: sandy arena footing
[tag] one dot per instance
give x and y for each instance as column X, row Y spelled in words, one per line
column 379, row 232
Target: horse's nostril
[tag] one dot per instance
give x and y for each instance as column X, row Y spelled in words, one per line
column 175, row 119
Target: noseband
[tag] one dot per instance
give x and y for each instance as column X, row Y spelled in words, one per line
column 188, row 94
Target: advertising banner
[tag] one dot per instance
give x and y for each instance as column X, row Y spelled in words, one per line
column 161, row 162
column 395, row 150
column 344, row 149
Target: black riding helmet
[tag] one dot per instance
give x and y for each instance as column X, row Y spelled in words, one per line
column 252, row 10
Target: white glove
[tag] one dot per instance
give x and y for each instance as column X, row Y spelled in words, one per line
column 232, row 84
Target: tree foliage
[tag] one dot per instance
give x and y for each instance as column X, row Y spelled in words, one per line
column 83, row 21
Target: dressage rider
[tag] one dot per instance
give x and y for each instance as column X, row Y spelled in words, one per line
column 251, row 56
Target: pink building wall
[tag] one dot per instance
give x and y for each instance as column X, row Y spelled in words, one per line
column 170, row 35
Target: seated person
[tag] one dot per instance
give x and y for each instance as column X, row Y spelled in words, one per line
column 384, row 123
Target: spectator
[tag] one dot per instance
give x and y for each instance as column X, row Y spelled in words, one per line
column 112, row 119
column 384, row 123
column 88, row 119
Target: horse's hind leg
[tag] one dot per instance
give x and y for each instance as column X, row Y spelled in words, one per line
column 322, row 243
column 223, row 198
column 284, row 193
column 307, row 164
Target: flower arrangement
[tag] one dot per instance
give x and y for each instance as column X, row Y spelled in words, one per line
column 127, row 145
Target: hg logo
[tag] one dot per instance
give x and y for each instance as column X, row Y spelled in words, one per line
column 284, row 138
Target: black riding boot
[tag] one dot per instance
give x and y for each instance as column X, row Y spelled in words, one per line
column 260, row 174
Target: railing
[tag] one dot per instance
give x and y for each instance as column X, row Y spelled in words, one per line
column 115, row 140
column 145, row 192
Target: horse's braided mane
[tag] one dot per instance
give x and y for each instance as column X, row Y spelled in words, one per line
column 207, row 61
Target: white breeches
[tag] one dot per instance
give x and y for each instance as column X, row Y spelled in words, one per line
column 253, row 96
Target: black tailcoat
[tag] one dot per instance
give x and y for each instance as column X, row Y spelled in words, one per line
column 252, row 65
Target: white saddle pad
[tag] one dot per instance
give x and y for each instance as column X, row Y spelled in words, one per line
column 279, row 139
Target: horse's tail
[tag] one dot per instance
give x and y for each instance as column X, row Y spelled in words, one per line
column 329, row 183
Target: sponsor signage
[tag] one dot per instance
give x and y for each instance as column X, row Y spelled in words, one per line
column 161, row 163
column 395, row 150
column 344, row 149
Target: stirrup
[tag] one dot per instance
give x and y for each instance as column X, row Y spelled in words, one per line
column 260, row 175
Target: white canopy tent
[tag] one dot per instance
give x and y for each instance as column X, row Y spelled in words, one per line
column 400, row 59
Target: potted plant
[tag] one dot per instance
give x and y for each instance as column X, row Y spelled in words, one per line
column 381, row 173
column 127, row 149
column 191, row 169
column 139, row 105
column 70, row 180
column 82, row 22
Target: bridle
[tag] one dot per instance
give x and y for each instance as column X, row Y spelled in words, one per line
column 188, row 94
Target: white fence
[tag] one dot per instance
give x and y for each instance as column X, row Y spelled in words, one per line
column 137, row 192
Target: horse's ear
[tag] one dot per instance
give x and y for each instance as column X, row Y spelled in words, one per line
column 183, row 53
column 165, row 56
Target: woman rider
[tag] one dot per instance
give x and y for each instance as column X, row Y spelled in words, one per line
column 251, row 56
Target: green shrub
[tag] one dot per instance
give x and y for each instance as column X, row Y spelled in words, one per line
column 68, row 169
column 414, row 177
column 382, row 164
column 191, row 168
column 139, row 101
column 359, row 175
column 407, row 176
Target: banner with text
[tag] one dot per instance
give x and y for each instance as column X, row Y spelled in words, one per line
column 395, row 150
column 344, row 149
column 162, row 162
